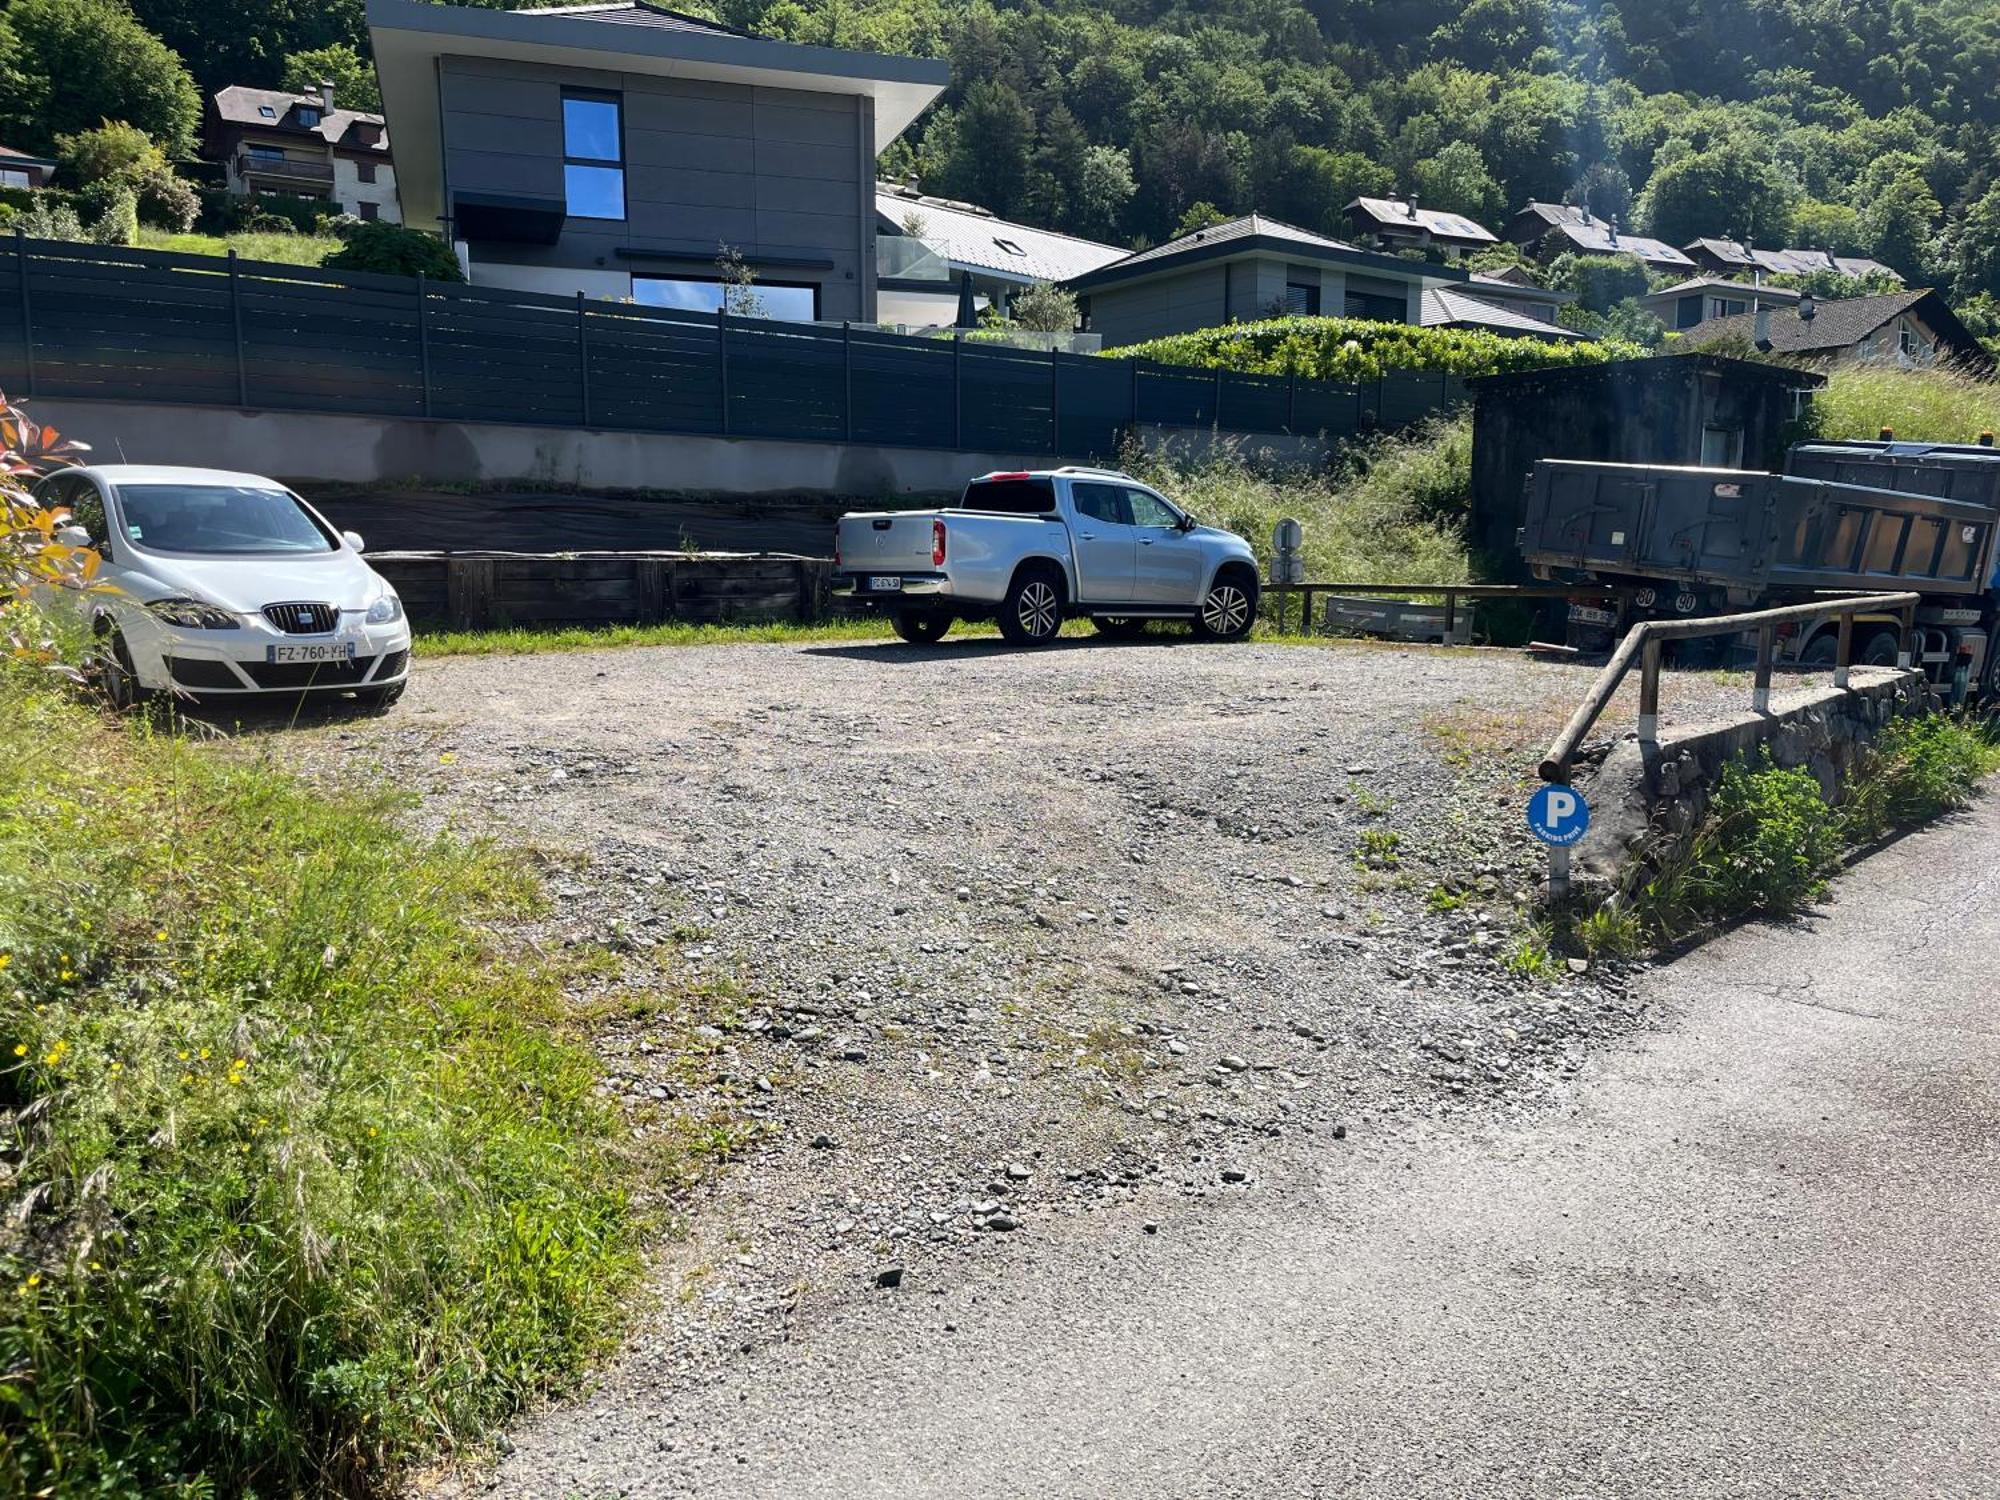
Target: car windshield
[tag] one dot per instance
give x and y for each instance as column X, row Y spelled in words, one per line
column 219, row 520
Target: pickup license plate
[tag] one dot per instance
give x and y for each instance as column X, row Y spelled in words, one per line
column 318, row 651
column 1583, row 614
column 884, row 584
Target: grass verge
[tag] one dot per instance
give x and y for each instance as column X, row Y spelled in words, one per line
column 1770, row 845
column 304, row 1178
column 286, row 249
column 1932, row 406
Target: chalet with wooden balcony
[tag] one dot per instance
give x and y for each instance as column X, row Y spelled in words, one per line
column 303, row 145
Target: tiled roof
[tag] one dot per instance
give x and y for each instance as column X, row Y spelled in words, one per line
column 1836, row 324
column 1515, row 285
column 1250, row 226
column 1439, row 224
column 635, row 13
column 1724, row 284
column 1789, row 262
column 1446, row 308
column 240, row 105
column 1598, row 236
column 972, row 238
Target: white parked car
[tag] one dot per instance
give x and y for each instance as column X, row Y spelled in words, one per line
column 226, row 584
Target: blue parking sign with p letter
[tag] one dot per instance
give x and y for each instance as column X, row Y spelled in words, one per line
column 1558, row 815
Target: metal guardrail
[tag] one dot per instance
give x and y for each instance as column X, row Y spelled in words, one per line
column 1452, row 592
column 1646, row 639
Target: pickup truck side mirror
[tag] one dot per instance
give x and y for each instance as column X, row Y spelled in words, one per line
column 73, row 536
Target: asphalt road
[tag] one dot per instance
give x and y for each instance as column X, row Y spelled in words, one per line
column 1758, row 1256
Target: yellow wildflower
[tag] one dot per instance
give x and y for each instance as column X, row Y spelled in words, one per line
column 6, row 959
column 160, row 936
column 20, row 1049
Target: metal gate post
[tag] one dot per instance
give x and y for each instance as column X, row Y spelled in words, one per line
column 722, row 362
column 583, row 357
column 236, row 320
column 847, row 379
column 27, row 307
column 424, row 338
column 1558, row 871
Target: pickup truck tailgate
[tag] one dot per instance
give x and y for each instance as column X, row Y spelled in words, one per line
column 891, row 541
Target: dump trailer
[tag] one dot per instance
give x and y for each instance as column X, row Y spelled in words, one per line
column 1646, row 541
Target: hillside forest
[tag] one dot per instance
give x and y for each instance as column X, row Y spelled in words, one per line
column 1862, row 129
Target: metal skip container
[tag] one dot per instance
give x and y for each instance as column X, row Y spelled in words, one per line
column 1751, row 531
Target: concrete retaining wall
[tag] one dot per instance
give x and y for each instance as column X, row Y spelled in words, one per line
column 1644, row 810
column 309, row 446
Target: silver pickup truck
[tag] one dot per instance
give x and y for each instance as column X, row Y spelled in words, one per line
column 1030, row 549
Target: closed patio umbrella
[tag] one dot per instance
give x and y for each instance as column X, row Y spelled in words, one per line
column 968, row 316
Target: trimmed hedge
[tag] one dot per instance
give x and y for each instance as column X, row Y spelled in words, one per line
column 1353, row 349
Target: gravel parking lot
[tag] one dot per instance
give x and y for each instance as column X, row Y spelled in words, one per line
column 969, row 948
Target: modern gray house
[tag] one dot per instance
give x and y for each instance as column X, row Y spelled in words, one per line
column 1247, row 269
column 614, row 149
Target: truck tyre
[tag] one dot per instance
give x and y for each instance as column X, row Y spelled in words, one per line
column 1824, row 651
column 1229, row 609
column 1120, row 629
column 1880, row 650
column 1032, row 613
column 921, row 627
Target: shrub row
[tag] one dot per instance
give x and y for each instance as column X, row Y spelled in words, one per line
column 1354, row 349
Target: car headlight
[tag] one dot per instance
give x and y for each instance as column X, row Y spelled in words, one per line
column 193, row 614
column 386, row 610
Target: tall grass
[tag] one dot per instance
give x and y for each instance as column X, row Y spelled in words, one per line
column 1934, row 406
column 286, row 249
column 1391, row 512
column 303, row 1177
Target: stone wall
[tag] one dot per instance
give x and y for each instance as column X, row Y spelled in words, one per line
column 1645, row 808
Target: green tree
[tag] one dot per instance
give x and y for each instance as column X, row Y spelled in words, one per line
column 1726, row 188
column 1599, row 281
column 73, row 64
column 248, row 41
column 1104, row 189
column 1043, row 308
column 113, row 152
column 1198, row 216
column 1456, row 181
column 1898, row 225
column 352, row 75
column 1976, row 249
column 989, row 161
column 395, row 251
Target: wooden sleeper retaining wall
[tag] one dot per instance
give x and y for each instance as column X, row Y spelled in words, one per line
column 485, row 590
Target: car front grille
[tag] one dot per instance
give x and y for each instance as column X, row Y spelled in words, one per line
column 303, row 618
column 309, row 674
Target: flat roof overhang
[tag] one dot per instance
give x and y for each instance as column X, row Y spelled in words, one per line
column 409, row 36
column 1263, row 246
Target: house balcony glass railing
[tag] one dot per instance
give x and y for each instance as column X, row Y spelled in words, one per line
column 908, row 259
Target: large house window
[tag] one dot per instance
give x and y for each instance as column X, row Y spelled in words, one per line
column 364, row 171
column 1302, row 299
column 1377, row 308
column 593, row 156
column 308, row 116
column 791, row 302
column 9, row 177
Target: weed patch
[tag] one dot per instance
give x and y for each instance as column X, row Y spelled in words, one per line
column 306, row 1179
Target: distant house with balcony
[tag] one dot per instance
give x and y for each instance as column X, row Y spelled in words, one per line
column 1401, row 224
column 20, row 170
column 929, row 251
column 304, row 145
column 615, row 149
column 1739, row 258
column 1246, row 269
column 1913, row 329
column 1546, row 230
column 1702, row 299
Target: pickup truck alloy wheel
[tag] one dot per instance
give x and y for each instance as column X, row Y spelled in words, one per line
column 1226, row 611
column 1033, row 611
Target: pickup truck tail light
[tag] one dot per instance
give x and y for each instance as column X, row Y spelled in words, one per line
column 937, row 544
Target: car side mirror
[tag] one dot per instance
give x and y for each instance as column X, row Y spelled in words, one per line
column 353, row 539
column 74, row 536
column 1187, row 522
